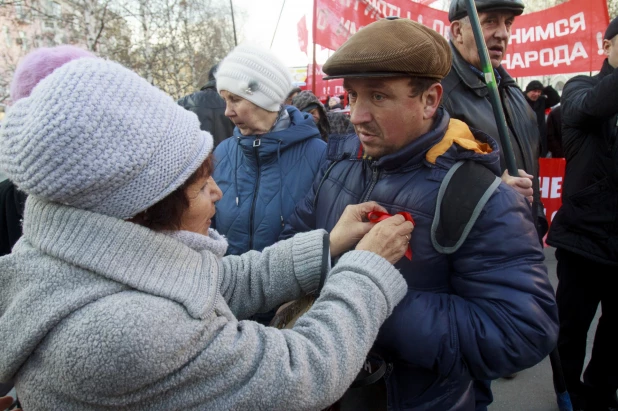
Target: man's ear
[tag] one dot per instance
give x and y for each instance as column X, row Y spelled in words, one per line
column 431, row 100
column 607, row 44
column 456, row 36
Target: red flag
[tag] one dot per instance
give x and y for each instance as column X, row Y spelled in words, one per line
column 303, row 34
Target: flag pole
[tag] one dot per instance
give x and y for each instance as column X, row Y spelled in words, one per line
column 313, row 35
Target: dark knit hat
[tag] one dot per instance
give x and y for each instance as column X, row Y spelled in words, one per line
column 459, row 10
column 534, row 85
column 305, row 98
column 612, row 30
column 391, row 48
column 306, row 101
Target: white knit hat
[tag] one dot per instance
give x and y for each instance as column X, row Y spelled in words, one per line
column 96, row 136
column 255, row 74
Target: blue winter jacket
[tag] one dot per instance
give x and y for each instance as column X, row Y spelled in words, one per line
column 262, row 178
column 486, row 311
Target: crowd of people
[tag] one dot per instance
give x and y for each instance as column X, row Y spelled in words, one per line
column 149, row 243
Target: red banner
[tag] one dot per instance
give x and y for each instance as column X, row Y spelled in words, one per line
column 323, row 88
column 551, row 176
column 303, row 34
column 337, row 20
column 562, row 39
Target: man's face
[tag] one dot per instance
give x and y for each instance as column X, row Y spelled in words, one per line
column 385, row 115
column 496, row 26
column 534, row 94
column 610, row 48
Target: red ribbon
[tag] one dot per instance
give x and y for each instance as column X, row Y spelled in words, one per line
column 377, row 216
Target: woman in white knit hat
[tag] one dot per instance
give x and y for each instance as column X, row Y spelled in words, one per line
column 270, row 162
column 118, row 296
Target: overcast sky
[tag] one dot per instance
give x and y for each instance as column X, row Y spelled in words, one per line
column 260, row 20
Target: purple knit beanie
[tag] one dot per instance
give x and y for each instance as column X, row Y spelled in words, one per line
column 40, row 63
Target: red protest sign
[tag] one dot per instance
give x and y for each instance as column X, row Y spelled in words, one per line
column 563, row 39
column 551, row 177
column 337, row 20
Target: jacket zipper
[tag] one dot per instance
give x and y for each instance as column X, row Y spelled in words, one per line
column 374, row 180
column 256, row 144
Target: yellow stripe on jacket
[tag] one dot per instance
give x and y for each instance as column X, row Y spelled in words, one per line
column 458, row 133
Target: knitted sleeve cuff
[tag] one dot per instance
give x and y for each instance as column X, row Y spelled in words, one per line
column 308, row 255
column 379, row 270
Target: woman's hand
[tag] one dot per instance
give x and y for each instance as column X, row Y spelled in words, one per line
column 351, row 227
column 389, row 238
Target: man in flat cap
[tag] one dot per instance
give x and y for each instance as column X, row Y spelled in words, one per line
column 477, row 308
column 466, row 96
column 585, row 232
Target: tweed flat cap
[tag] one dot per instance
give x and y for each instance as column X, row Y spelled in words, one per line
column 391, row 48
column 458, row 9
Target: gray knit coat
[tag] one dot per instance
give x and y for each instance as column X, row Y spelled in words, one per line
column 99, row 313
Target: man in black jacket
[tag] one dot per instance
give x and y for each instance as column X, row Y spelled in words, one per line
column 538, row 103
column 466, row 96
column 210, row 109
column 585, row 232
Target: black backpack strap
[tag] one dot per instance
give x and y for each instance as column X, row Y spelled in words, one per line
column 463, row 193
column 373, row 369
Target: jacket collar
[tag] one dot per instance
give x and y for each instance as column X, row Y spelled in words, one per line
column 301, row 127
column 471, row 79
column 210, row 84
column 606, row 69
column 126, row 253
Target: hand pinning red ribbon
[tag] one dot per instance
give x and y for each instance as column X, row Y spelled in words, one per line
column 377, row 216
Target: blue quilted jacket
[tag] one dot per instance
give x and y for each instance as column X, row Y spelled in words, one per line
column 262, row 178
column 486, row 311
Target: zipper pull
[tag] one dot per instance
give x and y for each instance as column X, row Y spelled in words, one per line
column 282, row 221
column 236, row 201
column 257, row 142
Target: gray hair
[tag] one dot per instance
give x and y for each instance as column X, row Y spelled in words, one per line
column 464, row 20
